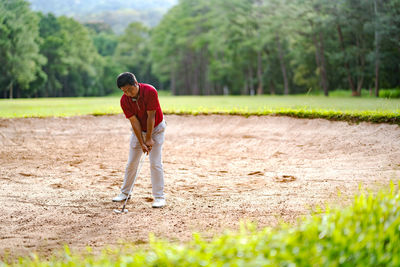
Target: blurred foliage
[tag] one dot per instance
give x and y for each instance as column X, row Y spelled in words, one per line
column 367, row 233
column 387, row 93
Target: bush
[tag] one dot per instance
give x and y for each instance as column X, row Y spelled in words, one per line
column 344, row 93
column 389, row 93
column 365, row 234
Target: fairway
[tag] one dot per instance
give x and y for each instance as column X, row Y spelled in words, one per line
column 275, row 103
column 58, row 176
column 248, row 105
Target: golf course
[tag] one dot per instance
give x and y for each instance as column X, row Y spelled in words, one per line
column 199, row 133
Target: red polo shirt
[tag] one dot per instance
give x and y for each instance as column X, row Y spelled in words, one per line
column 147, row 100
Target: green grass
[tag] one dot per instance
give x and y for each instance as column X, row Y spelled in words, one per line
column 367, row 233
column 334, row 108
column 58, row 107
column 254, row 104
column 383, row 93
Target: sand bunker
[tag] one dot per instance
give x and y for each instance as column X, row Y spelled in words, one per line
column 58, row 175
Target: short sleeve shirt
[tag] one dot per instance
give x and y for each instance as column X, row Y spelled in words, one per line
column 146, row 101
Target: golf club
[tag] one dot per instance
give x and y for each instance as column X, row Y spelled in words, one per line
column 123, row 210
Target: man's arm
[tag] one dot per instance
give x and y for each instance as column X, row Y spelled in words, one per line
column 151, row 120
column 137, row 129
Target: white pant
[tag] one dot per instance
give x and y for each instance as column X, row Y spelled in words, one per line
column 156, row 167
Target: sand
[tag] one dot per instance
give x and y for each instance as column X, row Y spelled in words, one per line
column 58, row 176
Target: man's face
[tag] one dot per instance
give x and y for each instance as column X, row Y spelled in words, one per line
column 130, row 90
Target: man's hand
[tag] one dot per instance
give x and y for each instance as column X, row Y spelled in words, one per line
column 137, row 129
column 149, row 143
column 151, row 119
column 145, row 148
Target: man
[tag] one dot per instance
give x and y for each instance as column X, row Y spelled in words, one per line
column 141, row 106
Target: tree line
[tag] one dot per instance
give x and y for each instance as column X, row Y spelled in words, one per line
column 275, row 46
column 207, row 47
column 43, row 55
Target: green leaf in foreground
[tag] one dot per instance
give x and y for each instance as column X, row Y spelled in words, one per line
column 367, row 233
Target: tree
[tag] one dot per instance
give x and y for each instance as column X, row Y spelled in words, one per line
column 53, row 48
column 386, row 28
column 236, row 44
column 83, row 63
column 352, row 19
column 132, row 51
column 19, row 49
column 275, row 37
column 73, row 68
column 312, row 23
column 164, row 48
column 106, row 42
column 179, row 48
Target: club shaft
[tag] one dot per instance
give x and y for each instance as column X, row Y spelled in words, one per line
column 134, row 180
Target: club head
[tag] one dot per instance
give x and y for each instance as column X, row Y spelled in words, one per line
column 119, row 211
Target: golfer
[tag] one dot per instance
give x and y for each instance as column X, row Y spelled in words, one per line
column 142, row 108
